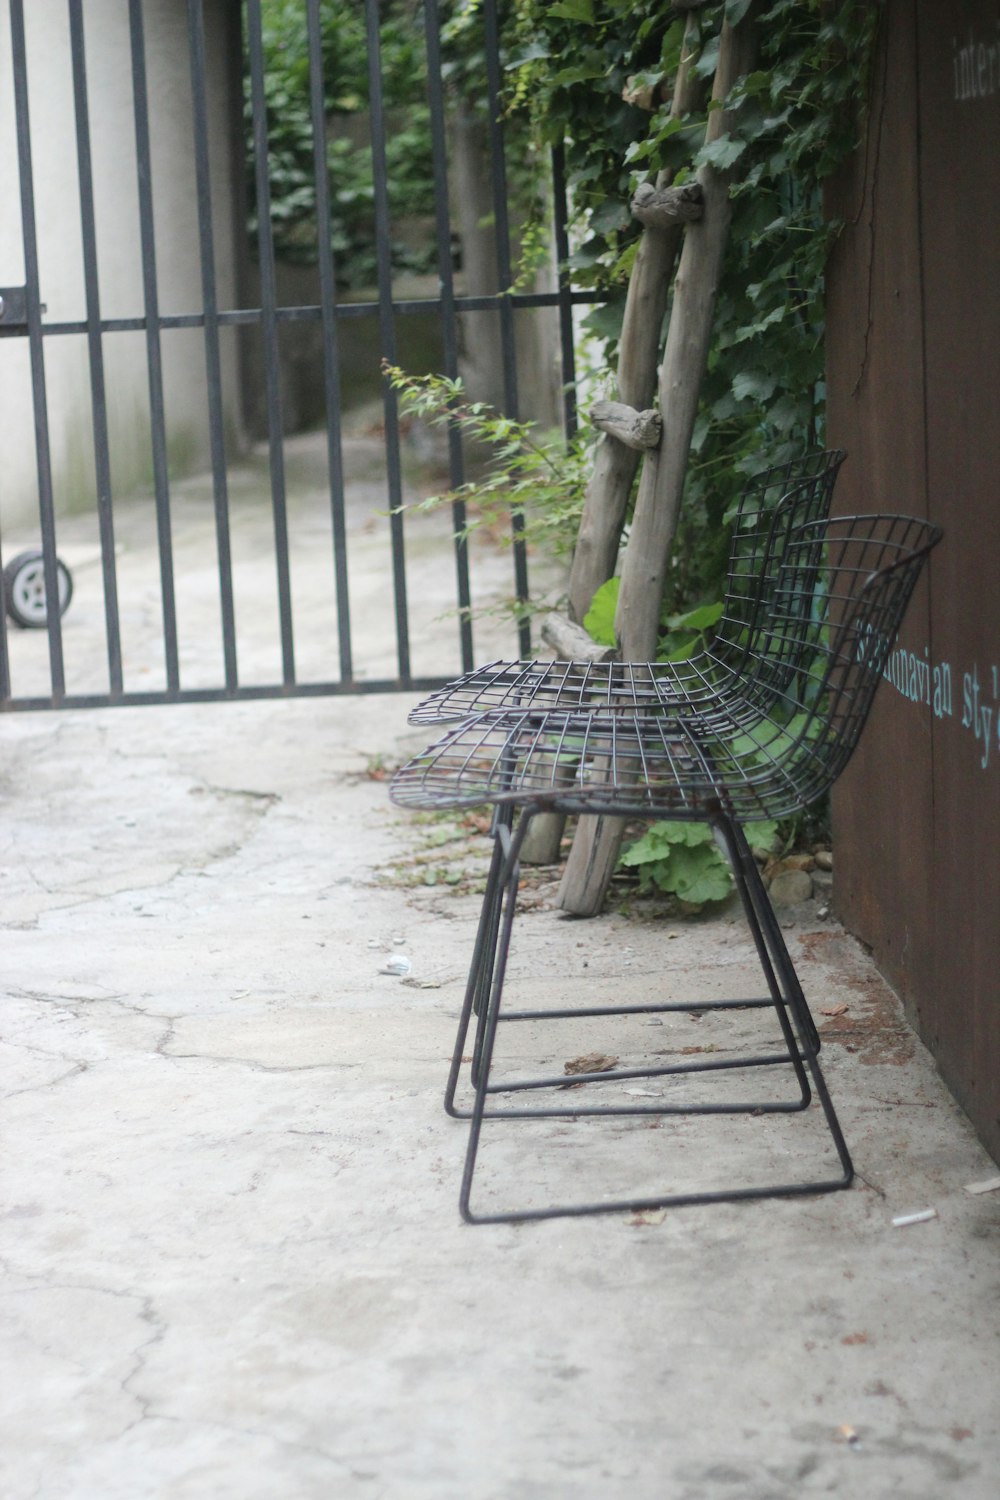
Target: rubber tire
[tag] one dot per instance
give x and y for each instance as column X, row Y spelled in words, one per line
column 24, row 590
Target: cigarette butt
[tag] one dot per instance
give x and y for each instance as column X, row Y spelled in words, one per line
column 901, row 1221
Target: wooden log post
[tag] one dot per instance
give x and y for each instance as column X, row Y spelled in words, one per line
column 616, row 461
column 597, row 843
column 685, row 359
column 610, row 486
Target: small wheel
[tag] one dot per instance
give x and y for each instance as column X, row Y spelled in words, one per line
column 24, row 590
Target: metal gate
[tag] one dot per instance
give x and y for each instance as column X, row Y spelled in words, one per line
column 125, row 264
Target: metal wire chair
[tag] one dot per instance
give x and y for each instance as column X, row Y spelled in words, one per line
column 772, row 505
column 810, row 676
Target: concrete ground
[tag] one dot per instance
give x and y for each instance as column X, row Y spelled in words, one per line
column 233, row 1266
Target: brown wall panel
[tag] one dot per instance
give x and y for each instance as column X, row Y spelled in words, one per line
column 958, row 87
column 876, row 412
column 914, row 378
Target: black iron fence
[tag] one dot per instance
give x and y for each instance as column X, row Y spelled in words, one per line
column 122, row 487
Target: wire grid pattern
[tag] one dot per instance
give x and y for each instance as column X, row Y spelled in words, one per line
column 760, row 532
column 763, row 752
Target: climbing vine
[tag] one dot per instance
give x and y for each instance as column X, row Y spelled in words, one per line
column 599, row 74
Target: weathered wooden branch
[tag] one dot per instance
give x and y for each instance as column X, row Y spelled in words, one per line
column 636, row 429
column 599, row 536
column 681, row 373
column 606, row 500
column 659, row 207
column 597, row 843
column 543, row 840
column 571, row 642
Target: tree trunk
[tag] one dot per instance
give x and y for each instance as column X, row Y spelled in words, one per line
column 614, row 469
column 596, row 846
column 681, row 373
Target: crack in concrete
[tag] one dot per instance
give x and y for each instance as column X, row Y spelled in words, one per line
column 169, row 1030
column 78, row 1005
column 140, row 1357
column 69, row 895
column 259, row 1067
column 67, row 1002
column 50, row 1083
column 146, row 1313
column 271, row 798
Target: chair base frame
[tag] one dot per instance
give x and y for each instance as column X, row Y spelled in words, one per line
column 484, row 998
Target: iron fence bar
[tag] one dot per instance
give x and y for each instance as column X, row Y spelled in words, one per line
column 387, row 334
column 43, row 451
column 449, row 324
column 331, row 356
column 566, row 341
column 211, row 323
column 154, row 353
column 95, row 350
column 332, row 688
column 269, row 333
column 429, row 307
column 501, row 219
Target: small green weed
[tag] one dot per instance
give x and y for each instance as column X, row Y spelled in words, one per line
column 682, row 860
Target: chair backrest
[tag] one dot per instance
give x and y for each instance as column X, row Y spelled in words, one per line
column 836, row 609
column 772, row 507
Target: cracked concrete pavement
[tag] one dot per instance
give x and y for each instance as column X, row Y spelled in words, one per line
column 232, row 1263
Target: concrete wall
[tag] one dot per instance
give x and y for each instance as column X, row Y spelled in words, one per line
column 60, row 243
column 913, row 366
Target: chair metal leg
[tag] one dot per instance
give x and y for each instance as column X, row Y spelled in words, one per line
column 771, row 948
column 480, row 977
column 508, row 885
column 486, row 983
column 778, row 950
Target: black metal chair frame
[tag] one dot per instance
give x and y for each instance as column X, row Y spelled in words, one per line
column 836, row 603
column 483, row 999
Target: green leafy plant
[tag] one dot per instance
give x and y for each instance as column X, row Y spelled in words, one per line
column 682, row 860
column 687, row 632
column 599, row 621
column 683, row 634
column 530, row 485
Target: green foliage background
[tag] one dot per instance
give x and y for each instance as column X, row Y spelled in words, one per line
column 410, row 175
column 576, row 66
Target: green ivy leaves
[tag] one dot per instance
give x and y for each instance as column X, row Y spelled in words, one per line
column 793, row 119
column 682, row 860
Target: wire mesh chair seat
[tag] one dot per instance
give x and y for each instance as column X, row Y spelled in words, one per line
column 766, row 751
column 836, row 605
column 761, row 525
column 737, row 760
